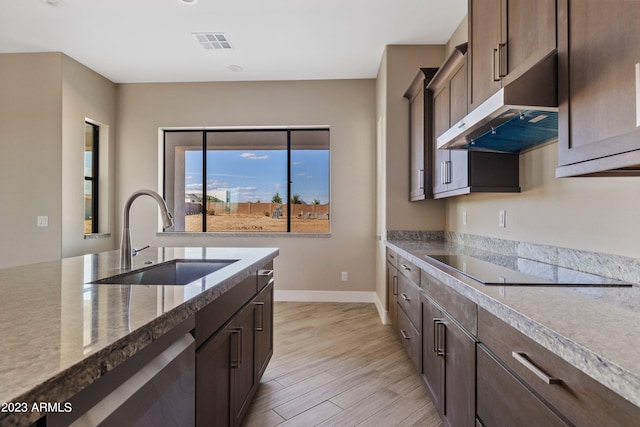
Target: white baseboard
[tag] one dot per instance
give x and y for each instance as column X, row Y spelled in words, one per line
column 333, row 296
column 323, row 296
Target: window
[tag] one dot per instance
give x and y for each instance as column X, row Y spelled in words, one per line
column 248, row 180
column 91, row 149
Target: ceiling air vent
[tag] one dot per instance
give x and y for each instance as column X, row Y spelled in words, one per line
column 213, row 40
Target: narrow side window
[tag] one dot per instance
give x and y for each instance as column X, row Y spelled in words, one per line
column 91, row 150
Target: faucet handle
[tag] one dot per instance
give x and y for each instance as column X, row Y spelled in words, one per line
column 136, row 251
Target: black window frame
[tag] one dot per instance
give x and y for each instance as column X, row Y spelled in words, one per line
column 204, row 165
column 94, row 176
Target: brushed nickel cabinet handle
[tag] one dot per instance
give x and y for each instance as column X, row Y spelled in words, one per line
column 502, row 60
column 436, row 336
column 395, row 285
column 404, row 334
column 638, row 94
column 523, row 360
column 261, row 316
column 441, row 343
column 405, row 297
column 405, row 267
column 494, row 65
column 421, row 178
column 236, row 359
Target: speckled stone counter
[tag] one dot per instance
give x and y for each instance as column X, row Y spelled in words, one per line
column 60, row 334
column 595, row 329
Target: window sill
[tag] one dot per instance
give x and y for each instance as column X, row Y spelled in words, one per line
column 238, row 234
column 97, row 236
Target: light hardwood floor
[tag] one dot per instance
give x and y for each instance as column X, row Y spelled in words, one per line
column 335, row 364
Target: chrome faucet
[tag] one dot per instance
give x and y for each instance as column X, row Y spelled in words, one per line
column 126, row 252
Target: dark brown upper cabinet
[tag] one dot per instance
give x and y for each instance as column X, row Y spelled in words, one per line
column 420, row 184
column 458, row 172
column 507, row 38
column 599, row 88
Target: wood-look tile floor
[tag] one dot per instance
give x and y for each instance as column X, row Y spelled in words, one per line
column 335, row 364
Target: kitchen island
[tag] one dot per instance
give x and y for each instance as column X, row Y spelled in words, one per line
column 594, row 330
column 61, row 333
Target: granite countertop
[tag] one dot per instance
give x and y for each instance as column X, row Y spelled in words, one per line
column 595, row 329
column 59, row 334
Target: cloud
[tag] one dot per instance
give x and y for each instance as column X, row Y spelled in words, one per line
column 252, row 156
column 297, row 163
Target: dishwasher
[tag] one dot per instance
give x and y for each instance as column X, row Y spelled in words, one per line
column 151, row 389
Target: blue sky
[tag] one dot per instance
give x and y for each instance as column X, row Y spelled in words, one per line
column 257, row 175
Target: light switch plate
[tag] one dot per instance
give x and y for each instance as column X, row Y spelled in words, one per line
column 501, row 219
column 43, row 221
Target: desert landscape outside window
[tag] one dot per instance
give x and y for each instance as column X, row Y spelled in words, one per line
column 248, row 180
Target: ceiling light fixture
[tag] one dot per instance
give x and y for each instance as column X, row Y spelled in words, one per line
column 188, row 1
column 213, row 40
column 51, row 2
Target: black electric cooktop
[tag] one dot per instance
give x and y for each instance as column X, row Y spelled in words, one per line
column 492, row 274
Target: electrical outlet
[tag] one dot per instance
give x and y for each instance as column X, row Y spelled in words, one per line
column 464, row 218
column 43, row 221
column 501, row 219
column 345, row 276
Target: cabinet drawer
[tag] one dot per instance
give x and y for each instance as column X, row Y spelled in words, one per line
column 219, row 311
column 265, row 275
column 409, row 299
column 579, row 397
column 504, row 401
column 409, row 270
column 411, row 339
column 462, row 309
column 392, row 257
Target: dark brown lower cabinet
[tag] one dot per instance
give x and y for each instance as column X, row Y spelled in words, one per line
column 448, row 365
column 503, row 400
column 263, row 328
column 410, row 337
column 225, row 373
column 230, row 363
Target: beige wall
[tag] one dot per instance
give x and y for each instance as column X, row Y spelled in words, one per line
column 86, row 95
column 594, row 214
column 45, row 100
column 347, row 106
column 398, row 68
column 459, row 36
column 31, row 157
column 402, row 64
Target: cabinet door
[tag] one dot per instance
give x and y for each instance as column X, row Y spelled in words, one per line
column 417, row 154
column 213, row 379
column 458, row 170
column 459, row 406
column 440, row 125
column 507, row 38
column 243, row 375
column 392, row 293
column 484, row 39
column 263, row 329
column 432, row 362
column 529, row 35
column 504, row 401
column 599, row 79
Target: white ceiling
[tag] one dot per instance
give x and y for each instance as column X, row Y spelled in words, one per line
column 152, row 41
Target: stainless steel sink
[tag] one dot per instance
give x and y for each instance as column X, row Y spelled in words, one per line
column 176, row 272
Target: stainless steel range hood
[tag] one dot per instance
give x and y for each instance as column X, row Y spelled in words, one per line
column 522, row 114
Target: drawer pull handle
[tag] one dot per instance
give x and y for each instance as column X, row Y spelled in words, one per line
column 439, row 337
column 395, row 285
column 522, row 358
column 404, row 334
column 265, row 273
column 405, row 297
column 405, row 267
